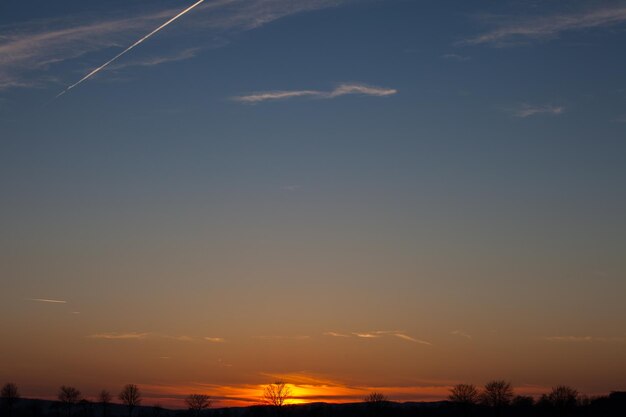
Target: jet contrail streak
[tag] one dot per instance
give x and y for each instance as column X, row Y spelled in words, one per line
column 101, row 67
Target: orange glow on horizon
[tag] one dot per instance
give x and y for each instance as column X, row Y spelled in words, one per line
column 305, row 389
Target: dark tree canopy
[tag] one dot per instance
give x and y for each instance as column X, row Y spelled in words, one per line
column 563, row 397
column 464, row 394
column 497, row 394
column 68, row 395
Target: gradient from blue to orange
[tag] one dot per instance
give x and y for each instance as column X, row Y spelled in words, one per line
column 467, row 226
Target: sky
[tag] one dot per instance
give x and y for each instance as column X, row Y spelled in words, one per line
column 348, row 195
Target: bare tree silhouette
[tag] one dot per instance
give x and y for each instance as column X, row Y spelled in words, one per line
column 465, row 396
column 68, row 396
column 497, row 395
column 10, row 395
column 104, row 398
column 375, row 398
column 563, row 399
column 277, row 394
column 198, row 402
column 131, row 397
column 376, row 402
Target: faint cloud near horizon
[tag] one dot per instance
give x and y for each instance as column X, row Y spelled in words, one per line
column 340, row 90
column 513, row 31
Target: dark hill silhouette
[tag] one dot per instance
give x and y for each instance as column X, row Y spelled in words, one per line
column 613, row 405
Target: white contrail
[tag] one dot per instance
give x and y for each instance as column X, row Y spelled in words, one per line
column 101, row 67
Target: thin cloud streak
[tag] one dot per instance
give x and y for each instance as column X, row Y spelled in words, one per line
column 215, row 339
column 335, row 334
column 550, row 26
column 139, row 336
column 158, row 60
column 47, row 300
column 527, row 110
column 395, row 333
column 146, row 37
column 455, row 57
column 461, row 333
column 119, row 336
column 341, row 90
column 588, row 339
column 411, row 339
column 367, row 335
column 279, row 337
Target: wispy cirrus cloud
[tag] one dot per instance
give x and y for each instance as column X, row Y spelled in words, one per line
column 335, row 334
column 368, row 335
column 382, row 333
column 528, row 110
column 588, row 339
column 401, row 335
column 461, row 333
column 31, row 51
column 340, row 90
column 119, row 336
column 284, row 337
column 455, row 57
column 151, row 61
column 410, row 339
column 140, row 336
column 47, row 300
column 512, row 31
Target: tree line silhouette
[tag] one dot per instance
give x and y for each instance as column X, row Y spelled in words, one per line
column 495, row 399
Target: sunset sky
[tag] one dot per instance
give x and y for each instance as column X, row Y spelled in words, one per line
column 350, row 195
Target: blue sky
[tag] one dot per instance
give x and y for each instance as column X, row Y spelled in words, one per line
column 404, row 154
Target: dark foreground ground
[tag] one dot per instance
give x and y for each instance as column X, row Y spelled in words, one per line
column 613, row 405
